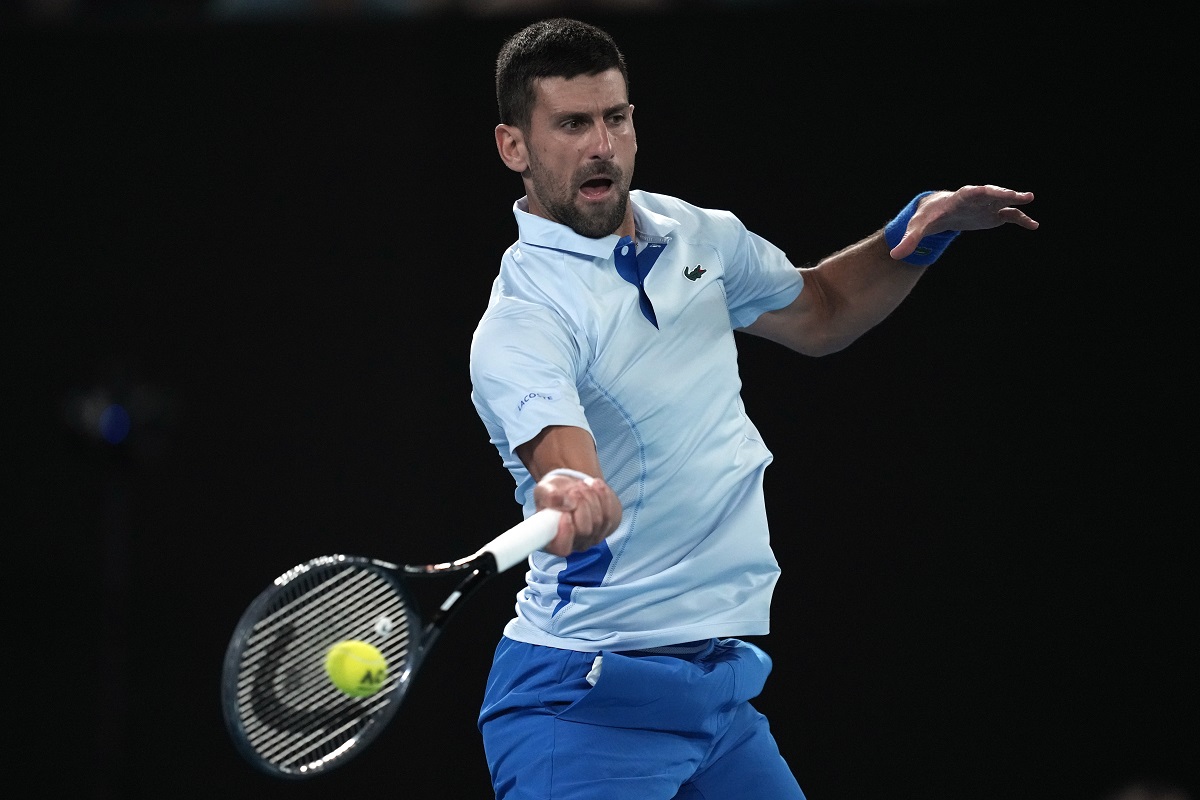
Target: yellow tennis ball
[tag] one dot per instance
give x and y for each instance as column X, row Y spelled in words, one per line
column 356, row 667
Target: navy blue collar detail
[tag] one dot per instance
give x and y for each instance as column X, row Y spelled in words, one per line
column 634, row 267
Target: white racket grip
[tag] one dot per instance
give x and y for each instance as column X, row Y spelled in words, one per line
column 515, row 544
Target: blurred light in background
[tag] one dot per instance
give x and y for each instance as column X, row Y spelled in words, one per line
column 120, row 413
column 173, row 11
column 114, row 423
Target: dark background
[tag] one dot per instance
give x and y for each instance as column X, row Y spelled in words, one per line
column 271, row 242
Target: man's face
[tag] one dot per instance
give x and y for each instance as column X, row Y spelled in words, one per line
column 580, row 150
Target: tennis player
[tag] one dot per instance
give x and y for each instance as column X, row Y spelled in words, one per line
column 605, row 371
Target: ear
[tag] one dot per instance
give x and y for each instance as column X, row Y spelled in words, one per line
column 510, row 143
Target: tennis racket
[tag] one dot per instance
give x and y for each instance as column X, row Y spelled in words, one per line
column 284, row 714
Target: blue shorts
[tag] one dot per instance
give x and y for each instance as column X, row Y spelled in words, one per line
column 655, row 726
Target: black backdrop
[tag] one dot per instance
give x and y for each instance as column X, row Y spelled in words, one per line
column 272, row 242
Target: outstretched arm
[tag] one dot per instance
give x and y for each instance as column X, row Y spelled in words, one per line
column 855, row 289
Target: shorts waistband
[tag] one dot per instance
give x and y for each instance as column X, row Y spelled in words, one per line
column 680, row 649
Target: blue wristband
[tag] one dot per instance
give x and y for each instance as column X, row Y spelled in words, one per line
column 929, row 248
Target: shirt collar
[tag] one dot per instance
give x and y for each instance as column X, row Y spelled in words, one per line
column 539, row 232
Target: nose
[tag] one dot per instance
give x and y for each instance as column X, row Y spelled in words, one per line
column 602, row 143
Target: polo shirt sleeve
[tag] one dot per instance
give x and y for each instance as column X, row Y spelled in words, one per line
column 524, row 363
column 758, row 276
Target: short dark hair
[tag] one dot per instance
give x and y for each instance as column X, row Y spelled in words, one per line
column 552, row 48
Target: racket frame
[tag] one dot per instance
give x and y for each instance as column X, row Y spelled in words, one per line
column 365, row 717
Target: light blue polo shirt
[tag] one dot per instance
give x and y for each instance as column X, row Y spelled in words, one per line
column 565, row 341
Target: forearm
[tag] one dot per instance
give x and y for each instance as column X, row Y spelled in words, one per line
column 844, row 296
column 854, row 290
column 560, row 446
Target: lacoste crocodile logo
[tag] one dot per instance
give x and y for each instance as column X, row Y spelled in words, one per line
column 694, row 273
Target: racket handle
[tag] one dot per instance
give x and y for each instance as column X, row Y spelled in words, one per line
column 515, row 544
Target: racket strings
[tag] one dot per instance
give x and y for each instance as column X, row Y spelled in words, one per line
column 290, row 712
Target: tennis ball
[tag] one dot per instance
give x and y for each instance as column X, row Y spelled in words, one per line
column 356, row 667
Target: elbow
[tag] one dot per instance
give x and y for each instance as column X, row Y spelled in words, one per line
column 823, row 345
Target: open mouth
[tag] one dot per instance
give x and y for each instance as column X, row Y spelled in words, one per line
column 595, row 188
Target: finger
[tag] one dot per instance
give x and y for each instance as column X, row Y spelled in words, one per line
column 905, row 247
column 607, row 508
column 590, row 517
column 581, row 523
column 999, row 198
column 596, row 519
column 563, row 543
column 1018, row 217
column 558, row 500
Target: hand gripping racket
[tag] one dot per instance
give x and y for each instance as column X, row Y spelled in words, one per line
column 282, row 711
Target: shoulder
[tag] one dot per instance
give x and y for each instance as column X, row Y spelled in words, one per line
column 531, row 300
column 693, row 220
column 515, row 335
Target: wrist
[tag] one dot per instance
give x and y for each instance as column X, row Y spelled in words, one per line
column 930, row 248
column 569, row 473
